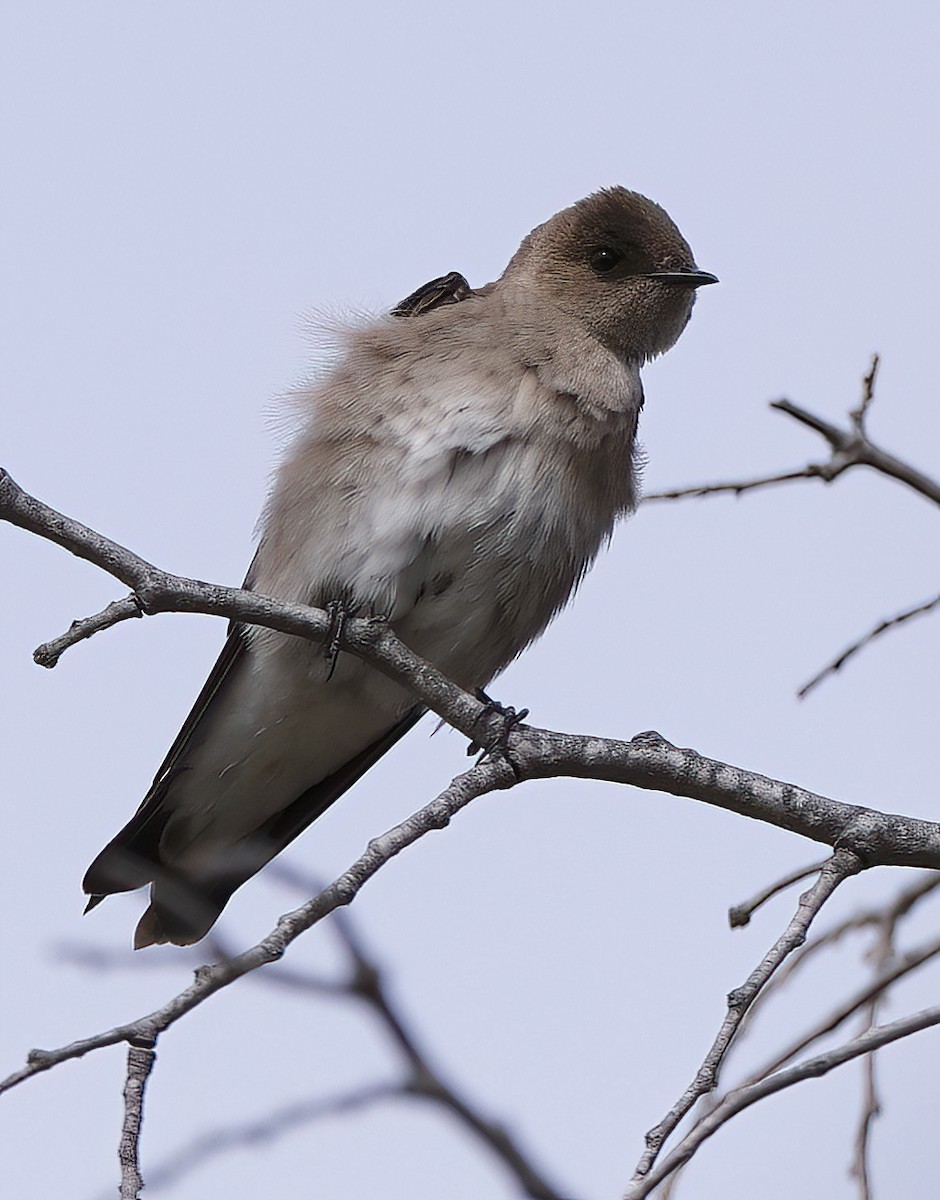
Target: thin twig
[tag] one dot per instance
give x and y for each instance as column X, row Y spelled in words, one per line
column 100, row 958
column 902, row 904
column 863, row 999
column 906, row 899
column 267, row 1129
column 810, row 471
column 741, row 1098
column 857, row 1001
column 838, row 868
column 740, row 915
column 49, row 653
column 425, row 1080
column 851, row 447
column 850, row 651
column 140, row 1060
column 365, row 983
column 860, row 1167
column 859, row 414
column 882, row 956
column 481, row 778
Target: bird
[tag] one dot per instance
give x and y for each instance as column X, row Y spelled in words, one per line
column 455, row 473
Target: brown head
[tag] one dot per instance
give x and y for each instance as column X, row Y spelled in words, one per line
column 616, row 262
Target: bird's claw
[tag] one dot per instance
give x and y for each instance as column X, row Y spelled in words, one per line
column 499, row 744
column 338, row 613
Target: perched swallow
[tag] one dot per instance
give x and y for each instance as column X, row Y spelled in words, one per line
column 457, row 472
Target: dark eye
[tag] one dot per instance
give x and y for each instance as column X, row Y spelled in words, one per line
column 604, row 259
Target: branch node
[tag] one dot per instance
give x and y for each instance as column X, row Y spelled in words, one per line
column 650, row 737
column 142, row 1041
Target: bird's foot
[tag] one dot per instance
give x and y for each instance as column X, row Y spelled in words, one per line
column 499, row 744
column 338, row 612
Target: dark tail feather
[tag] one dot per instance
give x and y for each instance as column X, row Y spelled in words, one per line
column 127, row 862
column 183, row 910
column 180, row 912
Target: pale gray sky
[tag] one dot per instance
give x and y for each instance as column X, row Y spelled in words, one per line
column 183, row 186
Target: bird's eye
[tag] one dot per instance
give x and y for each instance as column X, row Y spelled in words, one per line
column 604, row 259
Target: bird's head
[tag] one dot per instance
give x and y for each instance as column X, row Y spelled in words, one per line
column 616, row 262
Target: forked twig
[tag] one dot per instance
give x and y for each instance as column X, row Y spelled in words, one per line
column 836, row 870
column 849, row 447
column 741, row 1098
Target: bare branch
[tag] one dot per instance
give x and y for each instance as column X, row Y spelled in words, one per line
column 886, row 917
column 882, row 627
column 741, row 1098
column 99, row 958
column 871, row 1108
column 648, row 761
column 859, row 414
column 740, row 915
column 811, row 471
column 49, row 653
column 909, row 897
column 836, row 870
column 860, row 1168
column 365, row 984
column 903, row 902
column 140, row 1060
column 158, row 591
column 276, row 1125
column 851, row 447
column 208, row 980
column 883, row 956
column 427, row 1081
column 863, row 836
column 841, row 441
column 858, row 1000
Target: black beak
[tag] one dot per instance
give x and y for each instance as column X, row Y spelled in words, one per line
column 689, row 277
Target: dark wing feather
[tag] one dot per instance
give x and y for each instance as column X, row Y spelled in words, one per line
column 448, row 289
column 127, row 862
column 290, row 822
column 182, row 911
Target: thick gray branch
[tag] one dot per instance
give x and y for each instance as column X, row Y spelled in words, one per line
column 860, row 835
column 648, row 761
